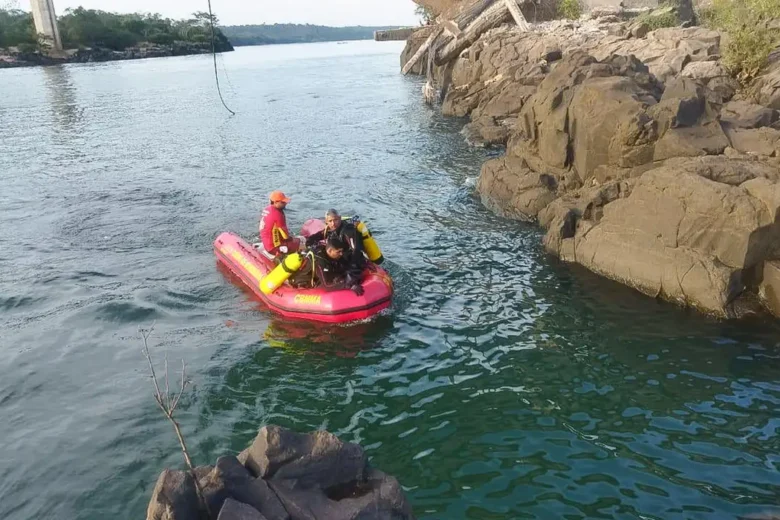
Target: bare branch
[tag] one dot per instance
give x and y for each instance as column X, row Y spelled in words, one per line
column 168, row 407
column 183, row 386
column 167, row 389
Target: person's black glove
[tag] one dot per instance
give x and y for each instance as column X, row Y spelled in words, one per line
column 358, row 289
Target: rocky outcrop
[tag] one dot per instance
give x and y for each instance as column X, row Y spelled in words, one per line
column 284, row 475
column 635, row 151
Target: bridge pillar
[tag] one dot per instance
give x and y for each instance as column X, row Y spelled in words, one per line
column 46, row 22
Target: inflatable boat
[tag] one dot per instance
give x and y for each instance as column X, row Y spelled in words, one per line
column 252, row 266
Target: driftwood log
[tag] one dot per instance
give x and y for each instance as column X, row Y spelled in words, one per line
column 491, row 17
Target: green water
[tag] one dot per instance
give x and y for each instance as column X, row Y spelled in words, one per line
column 502, row 384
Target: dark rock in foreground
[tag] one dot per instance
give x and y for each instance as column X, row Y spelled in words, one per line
column 284, row 475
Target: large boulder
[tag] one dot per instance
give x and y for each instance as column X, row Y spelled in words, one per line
column 230, row 479
column 758, row 141
column 769, row 290
column 682, row 237
column 733, row 172
column 767, row 85
column 667, row 52
column 743, row 114
column 317, row 459
column 715, row 77
column 609, row 125
column 174, row 498
column 498, row 73
column 510, row 188
column 487, row 131
column 379, row 497
column 688, row 123
column 234, row 510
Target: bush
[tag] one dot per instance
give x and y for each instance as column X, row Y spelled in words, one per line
column 569, row 9
column 751, row 33
column 660, row 18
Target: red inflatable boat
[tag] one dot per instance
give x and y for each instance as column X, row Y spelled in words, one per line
column 250, row 265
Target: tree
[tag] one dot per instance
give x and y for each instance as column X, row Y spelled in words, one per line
column 425, row 14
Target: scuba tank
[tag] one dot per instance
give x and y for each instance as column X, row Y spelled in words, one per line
column 369, row 244
column 273, row 280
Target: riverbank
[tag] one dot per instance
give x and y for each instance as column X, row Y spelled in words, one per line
column 13, row 58
column 634, row 149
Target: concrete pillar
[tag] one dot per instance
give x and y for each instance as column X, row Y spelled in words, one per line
column 46, row 21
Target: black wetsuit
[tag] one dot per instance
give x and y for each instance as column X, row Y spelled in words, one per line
column 349, row 234
column 320, row 270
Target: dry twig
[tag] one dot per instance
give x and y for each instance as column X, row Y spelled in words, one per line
column 168, row 408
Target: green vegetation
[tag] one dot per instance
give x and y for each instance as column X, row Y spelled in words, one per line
column 569, row 9
column 425, row 14
column 752, row 33
column 92, row 28
column 665, row 16
column 16, row 28
column 296, row 33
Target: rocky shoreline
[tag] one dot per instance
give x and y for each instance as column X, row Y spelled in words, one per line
column 14, row 58
column 634, row 149
column 283, row 475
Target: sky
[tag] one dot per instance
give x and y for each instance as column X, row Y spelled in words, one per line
column 244, row 12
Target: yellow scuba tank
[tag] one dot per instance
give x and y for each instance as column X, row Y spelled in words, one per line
column 273, row 280
column 369, row 244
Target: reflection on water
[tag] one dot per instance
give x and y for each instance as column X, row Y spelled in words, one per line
column 67, row 115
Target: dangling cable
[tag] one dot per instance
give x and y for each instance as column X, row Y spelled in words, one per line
column 214, row 55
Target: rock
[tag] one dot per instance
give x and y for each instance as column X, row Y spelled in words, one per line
column 233, row 510
column 508, row 187
column 485, row 131
column 174, row 498
column 202, row 471
column 380, row 497
column 759, row 141
column 230, row 479
column 683, row 104
column 769, row 290
column 560, row 218
column 707, row 139
column 318, row 459
column 733, row 172
column 508, row 101
column 767, row 85
column 715, row 77
column 609, row 126
column 741, row 114
column 544, row 119
column 639, row 30
column 681, row 237
column 243, row 456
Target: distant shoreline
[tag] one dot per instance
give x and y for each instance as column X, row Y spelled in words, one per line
column 11, row 58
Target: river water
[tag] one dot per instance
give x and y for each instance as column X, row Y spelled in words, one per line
column 501, row 385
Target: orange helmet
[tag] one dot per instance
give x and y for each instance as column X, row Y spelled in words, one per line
column 278, row 196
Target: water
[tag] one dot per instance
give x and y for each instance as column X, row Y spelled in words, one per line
column 502, row 384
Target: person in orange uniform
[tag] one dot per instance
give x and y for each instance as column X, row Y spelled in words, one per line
column 273, row 227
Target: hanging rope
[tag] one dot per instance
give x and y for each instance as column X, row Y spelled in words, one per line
column 214, row 55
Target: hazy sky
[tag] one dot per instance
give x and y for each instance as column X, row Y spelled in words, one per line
column 237, row 12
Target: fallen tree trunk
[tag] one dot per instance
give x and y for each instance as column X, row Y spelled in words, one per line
column 421, row 51
column 494, row 15
column 517, row 14
column 470, row 13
